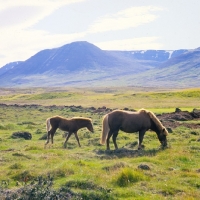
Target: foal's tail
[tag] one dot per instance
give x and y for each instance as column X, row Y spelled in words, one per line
column 48, row 125
column 105, row 129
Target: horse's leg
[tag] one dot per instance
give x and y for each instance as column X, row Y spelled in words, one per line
column 51, row 132
column 67, row 138
column 107, row 140
column 76, row 135
column 114, row 139
column 141, row 136
column 48, row 137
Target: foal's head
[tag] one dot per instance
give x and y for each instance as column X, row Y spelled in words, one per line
column 90, row 126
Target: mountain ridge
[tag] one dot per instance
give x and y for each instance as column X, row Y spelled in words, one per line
column 82, row 64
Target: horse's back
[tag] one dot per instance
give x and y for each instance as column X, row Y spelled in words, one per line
column 128, row 121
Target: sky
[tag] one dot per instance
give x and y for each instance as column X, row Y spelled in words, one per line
column 27, row 27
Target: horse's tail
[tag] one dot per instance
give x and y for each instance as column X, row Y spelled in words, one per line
column 48, row 125
column 105, row 129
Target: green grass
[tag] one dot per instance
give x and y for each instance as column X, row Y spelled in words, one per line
column 155, row 99
column 90, row 170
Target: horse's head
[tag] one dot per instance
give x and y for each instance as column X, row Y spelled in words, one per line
column 162, row 136
column 90, row 127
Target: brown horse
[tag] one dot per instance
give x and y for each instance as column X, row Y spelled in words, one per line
column 131, row 122
column 70, row 125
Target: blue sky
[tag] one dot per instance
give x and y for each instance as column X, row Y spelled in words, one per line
column 27, row 27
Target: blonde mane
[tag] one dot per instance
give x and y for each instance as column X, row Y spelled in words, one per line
column 155, row 120
column 82, row 118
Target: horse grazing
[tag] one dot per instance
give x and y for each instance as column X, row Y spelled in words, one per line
column 70, row 125
column 131, row 122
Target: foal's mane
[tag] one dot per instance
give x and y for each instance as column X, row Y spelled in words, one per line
column 82, row 118
column 154, row 119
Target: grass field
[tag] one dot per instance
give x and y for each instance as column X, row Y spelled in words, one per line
column 90, row 170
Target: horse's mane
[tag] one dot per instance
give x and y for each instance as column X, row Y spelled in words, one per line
column 155, row 120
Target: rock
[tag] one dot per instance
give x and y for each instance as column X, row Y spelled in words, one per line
column 196, row 113
column 169, row 130
column 144, row 167
column 178, row 110
column 21, row 134
column 183, row 116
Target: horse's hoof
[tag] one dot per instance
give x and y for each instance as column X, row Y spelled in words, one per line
column 162, row 147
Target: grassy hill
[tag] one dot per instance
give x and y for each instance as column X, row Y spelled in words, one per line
column 90, row 172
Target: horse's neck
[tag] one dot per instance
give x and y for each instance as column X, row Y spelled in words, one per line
column 154, row 126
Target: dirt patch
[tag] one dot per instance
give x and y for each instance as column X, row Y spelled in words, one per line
column 169, row 120
column 175, row 119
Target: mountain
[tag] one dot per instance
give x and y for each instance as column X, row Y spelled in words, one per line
column 179, row 71
column 153, row 55
column 183, row 70
column 8, row 66
column 84, row 64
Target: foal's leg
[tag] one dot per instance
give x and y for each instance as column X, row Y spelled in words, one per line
column 76, row 135
column 114, row 139
column 141, row 136
column 67, row 138
column 107, row 140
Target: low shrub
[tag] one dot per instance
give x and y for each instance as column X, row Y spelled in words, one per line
column 39, row 188
column 61, row 172
column 16, row 166
column 23, row 176
column 128, row 176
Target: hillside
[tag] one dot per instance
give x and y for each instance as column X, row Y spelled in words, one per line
column 182, row 71
column 84, row 64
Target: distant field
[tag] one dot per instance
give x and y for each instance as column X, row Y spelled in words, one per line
column 133, row 98
column 91, row 171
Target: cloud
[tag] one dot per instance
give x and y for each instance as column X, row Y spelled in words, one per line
column 128, row 18
column 141, row 43
column 18, row 41
column 22, row 44
column 23, row 14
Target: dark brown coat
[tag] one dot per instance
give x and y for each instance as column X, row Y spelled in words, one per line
column 69, row 125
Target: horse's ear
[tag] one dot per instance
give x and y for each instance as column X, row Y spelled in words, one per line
column 165, row 132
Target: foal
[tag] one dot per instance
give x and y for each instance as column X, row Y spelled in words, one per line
column 70, row 125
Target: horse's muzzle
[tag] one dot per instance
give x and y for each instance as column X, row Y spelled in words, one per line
column 164, row 143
